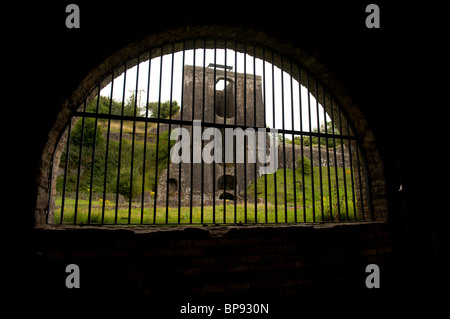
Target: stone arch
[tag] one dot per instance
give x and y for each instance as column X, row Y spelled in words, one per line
column 226, row 180
column 125, row 58
column 173, row 185
column 226, row 195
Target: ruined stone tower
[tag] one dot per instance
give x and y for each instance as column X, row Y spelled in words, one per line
column 219, row 98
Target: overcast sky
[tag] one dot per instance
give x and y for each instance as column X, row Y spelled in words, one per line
column 142, row 84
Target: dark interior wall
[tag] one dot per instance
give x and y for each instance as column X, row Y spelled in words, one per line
column 386, row 71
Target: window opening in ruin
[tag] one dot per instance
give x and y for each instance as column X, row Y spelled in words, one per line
column 151, row 145
column 173, row 186
column 226, row 183
column 226, row 196
column 225, row 98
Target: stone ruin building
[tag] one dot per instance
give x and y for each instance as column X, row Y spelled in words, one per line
column 241, row 104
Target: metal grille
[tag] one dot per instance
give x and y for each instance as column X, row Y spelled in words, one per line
column 208, row 132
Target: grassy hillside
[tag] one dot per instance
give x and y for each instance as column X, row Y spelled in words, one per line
column 108, row 153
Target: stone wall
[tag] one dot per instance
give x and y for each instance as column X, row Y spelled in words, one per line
column 219, row 263
column 320, row 156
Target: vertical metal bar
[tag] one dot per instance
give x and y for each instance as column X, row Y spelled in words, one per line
column 168, row 130
column 343, row 164
column 157, row 133
column 301, row 142
column 145, row 135
column 338, row 203
column 284, row 140
column 94, row 146
column 235, row 122
column 224, row 199
column 66, row 166
column 107, row 149
column 351, row 172
column 181, row 117
column 245, row 138
column 120, row 144
column 202, row 213
column 192, row 148
column 214, row 121
column 360, row 182
column 311, row 148
column 265, row 125
column 293, row 142
column 80, row 154
column 274, row 126
column 328, row 155
column 254, row 123
column 319, row 149
column 132, row 142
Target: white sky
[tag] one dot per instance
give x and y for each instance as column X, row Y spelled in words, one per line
column 153, row 96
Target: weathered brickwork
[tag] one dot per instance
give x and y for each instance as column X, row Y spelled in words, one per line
column 132, row 264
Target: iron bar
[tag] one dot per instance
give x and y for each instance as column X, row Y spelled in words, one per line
column 254, row 124
column 284, row 141
column 202, row 210
column 330, row 196
column 224, row 188
column 274, row 126
column 66, row 166
column 209, row 124
column 235, row 124
column 107, row 151
column 94, row 146
column 132, row 143
column 120, row 145
column 351, row 174
column 169, row 130
column 294, row 179
column 214, row 121
column 145, row 139
column 311, row 149
column 301, row 146
column 79, row 167
column 265, row 125
column 192, row 135
column 338, row 203
column 245, row 139
column 319, row 150
column 343, row 165
column 181, row 126
column 157, row 133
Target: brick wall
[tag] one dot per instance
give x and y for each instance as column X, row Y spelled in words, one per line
column 210, row 263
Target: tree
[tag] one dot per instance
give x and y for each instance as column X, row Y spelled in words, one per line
column 314, row 140
column 103, row 106
column 164, row 110
column 88, row 136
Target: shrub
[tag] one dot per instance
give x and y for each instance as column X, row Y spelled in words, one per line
column 306, row 167
column 88, row 136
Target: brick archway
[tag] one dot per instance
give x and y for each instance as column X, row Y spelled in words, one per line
column 52, row 150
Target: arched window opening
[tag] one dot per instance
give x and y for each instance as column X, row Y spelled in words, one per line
column 226, row 182
column 226, row 195
column 225, row 98
column 173, row 186
column 203, row 118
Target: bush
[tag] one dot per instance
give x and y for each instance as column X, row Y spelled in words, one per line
column 88, row 136
column 306, row 167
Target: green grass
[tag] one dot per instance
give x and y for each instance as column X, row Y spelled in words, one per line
column 316, row 202
column 295, row 207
